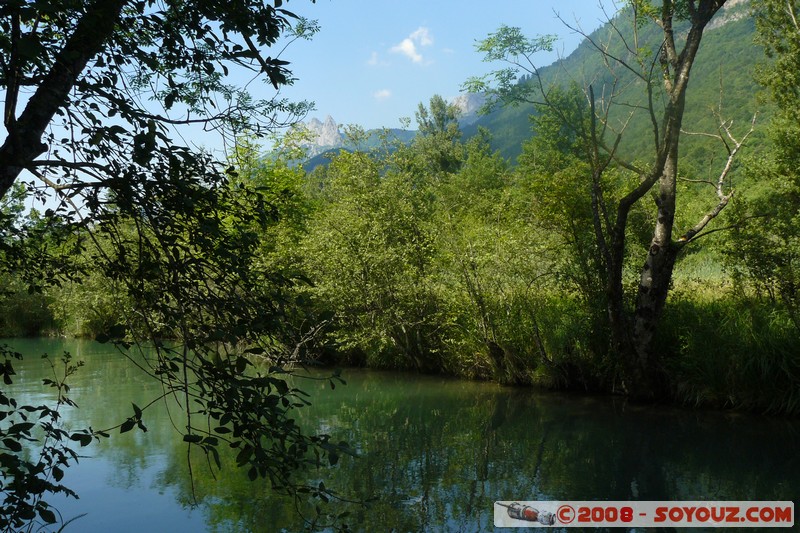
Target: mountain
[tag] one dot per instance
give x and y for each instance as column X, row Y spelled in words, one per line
column 722, row 84
column 322, row 136
column 322, row 154
column 722, row 80
column 469, row 104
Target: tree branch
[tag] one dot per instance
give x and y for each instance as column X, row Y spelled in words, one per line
column 722, row 196
column 24, row 141
column 604, row 50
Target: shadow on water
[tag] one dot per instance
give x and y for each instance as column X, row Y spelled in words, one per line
column 433, row 453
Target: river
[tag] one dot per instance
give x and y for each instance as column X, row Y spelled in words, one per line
column 433, row 453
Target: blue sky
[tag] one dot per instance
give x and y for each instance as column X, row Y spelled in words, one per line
column 374, row 61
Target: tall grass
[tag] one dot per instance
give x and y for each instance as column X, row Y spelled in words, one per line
column 732, row 352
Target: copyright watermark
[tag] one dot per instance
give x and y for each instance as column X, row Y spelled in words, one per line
column 644, row 514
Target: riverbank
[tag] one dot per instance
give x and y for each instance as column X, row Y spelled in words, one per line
column 741, row 355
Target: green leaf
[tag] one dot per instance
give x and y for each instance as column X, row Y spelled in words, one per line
column 215, row 455
column 29, row 47
column 244, row 455
column 255, row 350
column 47, row 515
column 85, row 439
column 12, row 445
column 22, row 427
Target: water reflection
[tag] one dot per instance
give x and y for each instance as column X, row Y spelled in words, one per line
column 434, row 453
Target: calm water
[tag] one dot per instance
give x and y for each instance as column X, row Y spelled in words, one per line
column 434, row 453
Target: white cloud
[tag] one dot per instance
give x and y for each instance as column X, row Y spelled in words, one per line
column 375, row 61
column 408, row 46
column 383, row 94
column 422, row 35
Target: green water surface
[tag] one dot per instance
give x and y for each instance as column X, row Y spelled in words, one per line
column 433, row 453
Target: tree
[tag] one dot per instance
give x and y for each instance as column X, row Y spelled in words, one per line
column 82, row 61
column 554, row 171
column 372, row 243
column 96, row 94
column 766, row 248
column 662, row 70
column 439, row 136
column 490, row 287
column 369, row 251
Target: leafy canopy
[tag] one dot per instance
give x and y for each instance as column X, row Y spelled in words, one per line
column 94, row 88
column 103, row 104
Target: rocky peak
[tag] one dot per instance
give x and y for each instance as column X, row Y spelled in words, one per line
column 469, row 104
column 733, row 10
column 324, row 135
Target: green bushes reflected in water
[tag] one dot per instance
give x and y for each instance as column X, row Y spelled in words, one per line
column 433, row 453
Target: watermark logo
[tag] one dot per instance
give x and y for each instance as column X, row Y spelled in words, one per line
column 644, row 514
column 526, row 513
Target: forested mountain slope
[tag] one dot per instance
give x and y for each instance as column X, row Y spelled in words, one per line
column 722, row 81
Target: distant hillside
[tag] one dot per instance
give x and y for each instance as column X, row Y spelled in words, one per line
column 321, row 159
column 722, row 81
column 326, row 139
column 722, row 78
column 373, row 140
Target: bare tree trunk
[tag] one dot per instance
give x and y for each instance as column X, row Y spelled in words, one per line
column 656, row 274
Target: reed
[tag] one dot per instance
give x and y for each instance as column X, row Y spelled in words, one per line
column 732, row 353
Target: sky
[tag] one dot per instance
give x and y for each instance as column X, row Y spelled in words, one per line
column 374, row 61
